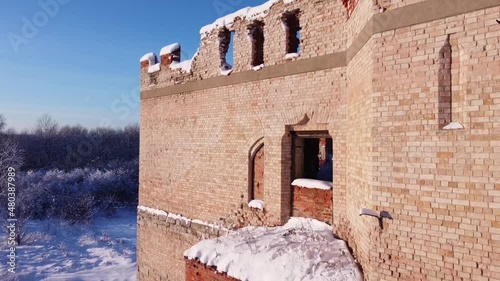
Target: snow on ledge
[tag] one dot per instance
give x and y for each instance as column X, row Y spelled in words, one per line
column 302, row 249
column 185, row 66
column 154, row 68
column 453, row 126
column 162, row 213
column 148, row 57
column 315, row 184
column 152, row 211
column 226, row 69
column 256, row 204
column 247, row 13
column 258, row 67
column 291, row 56
column 170, row 49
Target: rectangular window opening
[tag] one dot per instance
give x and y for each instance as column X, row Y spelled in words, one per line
column 226, row 39
column 256, row 36
column 313, row 156
column 292, row 27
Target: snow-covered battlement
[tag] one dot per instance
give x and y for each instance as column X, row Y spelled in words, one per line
column 169, row 49
column 168, row 53
column 247, row 13
column 272, row 22
column 170, row 58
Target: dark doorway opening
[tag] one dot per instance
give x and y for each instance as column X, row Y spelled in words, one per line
column 311, row 163
column 258, row 174
column 312, row 155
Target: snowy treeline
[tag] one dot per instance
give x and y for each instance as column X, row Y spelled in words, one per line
column 77, row 195
column 70, row 172
column 49, row 145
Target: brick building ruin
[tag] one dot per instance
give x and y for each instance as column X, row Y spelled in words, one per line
column 404, row 94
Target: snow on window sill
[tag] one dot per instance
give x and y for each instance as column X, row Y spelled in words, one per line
column 314, row 184
column 454, row 126
column 258, row 67
column 292, row 56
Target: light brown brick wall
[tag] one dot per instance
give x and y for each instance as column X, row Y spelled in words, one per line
column 390, row 154
column 359, row 148
column 194, row 149
column 394, row 4
column 442, row 187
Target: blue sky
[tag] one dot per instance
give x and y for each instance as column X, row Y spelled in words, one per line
column 78, row 60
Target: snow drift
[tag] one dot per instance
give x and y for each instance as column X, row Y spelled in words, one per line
column 303, row 249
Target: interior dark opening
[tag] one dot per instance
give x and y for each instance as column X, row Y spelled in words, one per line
column 292, row 26
column 256, row 33
column 225, row 45
column 312, row 156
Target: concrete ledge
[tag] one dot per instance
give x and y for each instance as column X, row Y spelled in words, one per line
column 169, row 224
column 417, row 13
column 290, row 68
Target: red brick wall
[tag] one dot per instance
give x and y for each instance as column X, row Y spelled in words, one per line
column 312, row 203
column 258, row 173
column 196, row 271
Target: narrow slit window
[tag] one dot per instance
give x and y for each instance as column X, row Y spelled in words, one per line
column 450, row 95
column 256, row 36
column 225, row 46
column 445, row 85
column 292, row 28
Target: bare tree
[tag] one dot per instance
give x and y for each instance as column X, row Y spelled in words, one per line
column 46, row 126
column 10, row 155
column 46, row 133
column 3, row 124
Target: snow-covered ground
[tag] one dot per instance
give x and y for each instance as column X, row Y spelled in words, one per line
column 103, row 250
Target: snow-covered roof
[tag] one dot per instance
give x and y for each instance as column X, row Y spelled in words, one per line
column 310, row 183
column 248, row 13
column 170, row 49
column 148, row 57
column 303, row 249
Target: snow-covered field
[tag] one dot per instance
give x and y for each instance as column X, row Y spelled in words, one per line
column 54, row 250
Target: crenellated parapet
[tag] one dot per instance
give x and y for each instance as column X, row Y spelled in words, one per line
column 276, row 32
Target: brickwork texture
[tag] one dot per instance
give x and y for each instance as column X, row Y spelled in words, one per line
column 383, row 79
column 312, row 203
